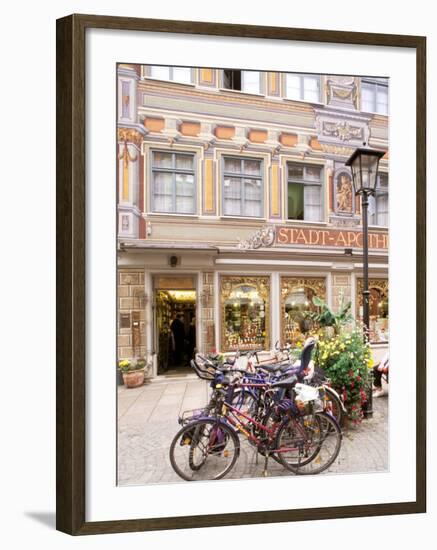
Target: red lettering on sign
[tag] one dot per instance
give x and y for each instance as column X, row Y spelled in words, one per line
column 283, row 238
column 301, row 239
column 314, row 236
column 341, row 240
column 329, row 237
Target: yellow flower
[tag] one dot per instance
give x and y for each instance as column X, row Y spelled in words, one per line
column 370, row 363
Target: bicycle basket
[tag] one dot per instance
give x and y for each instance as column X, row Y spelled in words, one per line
column 193, row 414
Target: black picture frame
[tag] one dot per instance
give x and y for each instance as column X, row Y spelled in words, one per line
column 71, row 253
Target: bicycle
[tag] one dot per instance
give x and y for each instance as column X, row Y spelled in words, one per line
column 304, row 440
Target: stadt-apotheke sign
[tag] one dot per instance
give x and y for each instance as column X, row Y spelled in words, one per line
column 343, row 238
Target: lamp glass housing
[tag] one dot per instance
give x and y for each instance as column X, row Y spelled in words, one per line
column 364, row 163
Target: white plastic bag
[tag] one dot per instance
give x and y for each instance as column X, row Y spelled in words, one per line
column 306, row 393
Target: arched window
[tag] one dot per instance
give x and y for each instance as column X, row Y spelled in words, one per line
column 297, row 303
column 245, row 313
column 378, row 308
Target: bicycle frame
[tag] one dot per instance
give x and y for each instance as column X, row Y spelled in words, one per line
column 234, row 421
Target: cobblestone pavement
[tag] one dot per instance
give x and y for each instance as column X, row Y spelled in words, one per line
column 147, row 422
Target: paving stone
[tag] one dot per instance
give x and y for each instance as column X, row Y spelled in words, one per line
column 148, row 425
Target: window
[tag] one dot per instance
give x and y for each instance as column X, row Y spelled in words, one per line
column 242, row 187
column 245, row 81
column 302, row 87
column 173, row 183
column 374, row 95
column 176, row 74
column 304, row 192
column 297, row 306
column 245, row 312
column 378, row 204
column 378, row 308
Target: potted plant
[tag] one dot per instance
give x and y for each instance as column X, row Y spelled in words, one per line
column 133, row 372
column 329, row 321
column 347, row 360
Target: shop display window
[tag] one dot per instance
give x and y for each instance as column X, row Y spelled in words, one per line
column 378, row 309
column 245, row 313
column 297, row 303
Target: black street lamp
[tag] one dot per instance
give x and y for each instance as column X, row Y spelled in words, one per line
column 364, row 163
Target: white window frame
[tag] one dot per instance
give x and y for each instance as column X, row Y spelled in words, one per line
column 173, row 170
column 171, row 70
column 260, row 91
column 379, row 191
column 375, row 84
column 242, row 176
column 304, row 182
column 302, row 77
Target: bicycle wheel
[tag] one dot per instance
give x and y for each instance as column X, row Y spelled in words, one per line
column 204, row 449
column 308, row 445
column 245, row 401
column 333, row 405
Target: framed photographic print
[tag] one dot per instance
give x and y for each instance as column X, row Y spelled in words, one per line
column 241, row 274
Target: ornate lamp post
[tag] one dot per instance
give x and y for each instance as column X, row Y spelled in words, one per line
column 364, row 163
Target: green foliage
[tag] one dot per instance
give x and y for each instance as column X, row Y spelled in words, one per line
column 325, row 317
column 346, row 359
column 128, row 365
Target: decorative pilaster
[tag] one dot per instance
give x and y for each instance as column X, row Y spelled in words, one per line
column 273, row 84
column 275, row 190
column 209, row 186
column 341, row 290
column 129, row 177
column 207, row 307
column 207, row 77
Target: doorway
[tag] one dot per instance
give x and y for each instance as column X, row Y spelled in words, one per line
column 175, row 325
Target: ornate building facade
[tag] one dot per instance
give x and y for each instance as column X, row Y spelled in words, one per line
column 235, row 206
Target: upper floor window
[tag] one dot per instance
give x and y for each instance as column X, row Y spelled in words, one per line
column 243, row 187
column 378, row 204
column 303, row 87
column 176, row 74
column 173, row 183
column 245, row 81
column 374, row 95
column 304, row 192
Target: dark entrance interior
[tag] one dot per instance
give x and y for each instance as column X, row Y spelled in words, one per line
column 175, row 328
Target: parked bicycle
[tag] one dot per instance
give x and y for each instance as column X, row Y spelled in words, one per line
column 259, row 372
column 295, row 430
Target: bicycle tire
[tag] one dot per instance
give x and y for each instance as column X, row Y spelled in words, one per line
column 190, row 432
column 319, row 428
column 336, row 404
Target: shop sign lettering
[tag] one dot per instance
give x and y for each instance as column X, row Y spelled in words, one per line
column 329, row 237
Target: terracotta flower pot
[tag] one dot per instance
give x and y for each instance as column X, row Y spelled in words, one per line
column 133, row 379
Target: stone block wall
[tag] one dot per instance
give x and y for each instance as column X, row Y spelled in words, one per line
column 131, row 338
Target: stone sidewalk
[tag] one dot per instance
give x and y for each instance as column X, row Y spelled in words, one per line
column 147, row 422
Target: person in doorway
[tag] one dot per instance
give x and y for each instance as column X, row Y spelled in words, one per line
column 191, row 337
column 379, row 371
column 178, row 330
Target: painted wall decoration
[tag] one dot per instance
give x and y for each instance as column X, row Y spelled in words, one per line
column 344, row 193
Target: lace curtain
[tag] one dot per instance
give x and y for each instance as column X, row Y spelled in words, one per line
column 173, row 191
